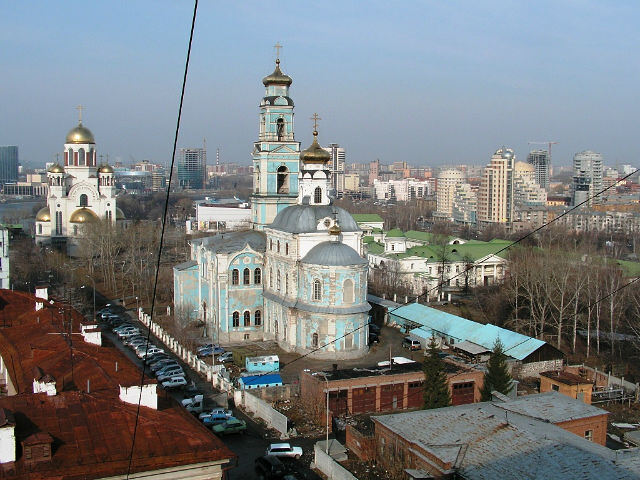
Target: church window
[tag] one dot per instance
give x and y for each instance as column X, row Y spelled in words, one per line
column 235, row 277
column 317, row 195
column 39, row 229
column 257, row 318
column 236, row 319
column 280, row 128
column 278, row 246
column 286, row 284
column 247, row 318
column 58, row 223
column 270, row 244
column 82, row 157
column 75, row 229
column 278, row 281
column 286, row 249
column 283, row 179
column 270, row 278
column 347, row 291
column 317, row 290
column 257, row 276
column 84, row 200
column 246, row 276
column 314, row 340
column 69, row 159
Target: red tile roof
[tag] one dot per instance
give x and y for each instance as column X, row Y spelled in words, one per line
column 92, row 432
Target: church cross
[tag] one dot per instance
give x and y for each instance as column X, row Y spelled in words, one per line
column 79, row 108
column 277, row 46
column 315, row 117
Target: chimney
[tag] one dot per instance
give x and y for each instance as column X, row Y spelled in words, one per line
column 44, row 383
column 7, row 436
column 42, row 296
column 148, row 398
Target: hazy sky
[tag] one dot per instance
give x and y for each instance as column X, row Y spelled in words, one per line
column 429, row 82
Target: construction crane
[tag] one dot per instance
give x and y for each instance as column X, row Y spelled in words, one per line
column 548, row 143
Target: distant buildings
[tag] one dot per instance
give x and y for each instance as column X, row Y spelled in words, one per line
column 541, row 162
column 526, row 192
column 338, row 158
column 8, row 164
column 4, row 258
column 220, row 216
column 401, row 190
column 495, row 198
column 587, row 177
column 446, row 184
column 464, row 208
column 192, row 168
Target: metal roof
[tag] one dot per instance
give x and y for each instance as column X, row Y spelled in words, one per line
column 472, row 348
column 305, row 218
column 333, row 254
column 234, row 241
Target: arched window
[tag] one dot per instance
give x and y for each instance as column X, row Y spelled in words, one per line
column 270, row 244
column 82, row 158
column 246, row 276
column 257, row 276
column 314, row 340
column 235, row 277
column 70, row 159
column 257, row 318
column 347, row 291
column 317, row 195
column 286, row 248
column 317, row 290
column 278, row 281
column 278, row 249
column 283, row 180
column 40, row 229
column 270, row 278
column 236, row 319
column 280, row 128
column 84, row 200
column 75, row 229
column 247, row 318
column 286, row 284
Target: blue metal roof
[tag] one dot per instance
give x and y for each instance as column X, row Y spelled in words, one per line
column 515, row 344
column 260, row 379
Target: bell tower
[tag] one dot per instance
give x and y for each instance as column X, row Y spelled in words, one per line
column 276, row 154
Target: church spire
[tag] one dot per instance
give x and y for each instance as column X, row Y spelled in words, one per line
column 315, row 171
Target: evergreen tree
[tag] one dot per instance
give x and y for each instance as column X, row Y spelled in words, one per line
column 436, row 387
column 497, row 377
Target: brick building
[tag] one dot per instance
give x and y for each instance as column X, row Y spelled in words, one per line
column 382, row 388
column 566, row 383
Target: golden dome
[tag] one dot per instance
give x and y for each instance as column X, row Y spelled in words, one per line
column 80, row 134
column 43, row 215
column 119, row 214
column 83, row 215
column 315, row 153
column 335, row 229
column 277, row 77
column 105, row 169
column 56, row 169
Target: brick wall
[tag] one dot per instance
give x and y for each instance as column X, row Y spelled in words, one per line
column 533, row 369
column 597, row 425
column 362, row 445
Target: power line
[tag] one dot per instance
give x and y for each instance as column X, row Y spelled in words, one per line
column 164, row 222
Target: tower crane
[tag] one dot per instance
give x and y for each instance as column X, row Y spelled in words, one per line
column 548, row 143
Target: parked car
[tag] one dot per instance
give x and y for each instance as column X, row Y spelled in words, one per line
column 166, row 375
column 204, row 347
column 194, row 405
column 225, row 357
column 411, row 343
column 168, row 368
column 284, row 450
column 174, row 382
column 216, row 411
column 139, row 348
column 135, row 340
column 191, row 391
column 124, row 326
column 128, row 333
column 155, row 357
column 150, row 351
column 164, row 363
column 213, row 350
column 233, row 425
column 213, row 420
column 269, row 468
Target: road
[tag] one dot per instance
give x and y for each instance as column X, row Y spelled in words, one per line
column 247, row 446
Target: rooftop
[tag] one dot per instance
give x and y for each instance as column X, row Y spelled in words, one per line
column 566, row 377
column 367, row 217
column 552, row 407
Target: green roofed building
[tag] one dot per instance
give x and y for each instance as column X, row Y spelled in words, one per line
column 369, row 223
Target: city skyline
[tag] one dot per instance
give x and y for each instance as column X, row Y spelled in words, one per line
column 434, row 85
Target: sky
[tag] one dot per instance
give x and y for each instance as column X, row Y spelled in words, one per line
column 427, row 82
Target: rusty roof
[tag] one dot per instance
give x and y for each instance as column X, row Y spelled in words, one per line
column 566, row 377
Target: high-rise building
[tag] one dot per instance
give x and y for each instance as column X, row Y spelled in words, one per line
column 464, row 208
column 374, row 171
column 338, row 157
column 526, row 191
column 8, row 164
column 192, row 168
column 447, row 181
column 495, row 198
column 541, row 161
column 588, row 168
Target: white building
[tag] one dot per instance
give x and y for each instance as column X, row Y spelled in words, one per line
column 401, row 190
column 79, row 193
column 464, row 208
column 526, row 191
column 4, row 258
column 445, row 191
column 588, row 169
column 495, row 198
column 220, row 217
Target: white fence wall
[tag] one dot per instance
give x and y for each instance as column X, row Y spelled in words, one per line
column 327, row 465
column 263, row 410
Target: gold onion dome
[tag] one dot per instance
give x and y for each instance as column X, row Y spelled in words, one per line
column 105, row 169
column 83, row 215
column 56, row 169
column 334, row 229
column 315, row 153
column 277, row 77
column 119, row 214
column 80, row 134
column 43, row 215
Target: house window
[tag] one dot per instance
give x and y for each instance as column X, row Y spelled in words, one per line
column 347, row 291
column 246, row 276
column 246, row 336
column 247, row 318
column 588, row 435
column 317, row 290
column 236, row 319
column 280, row 128
column 555, row 387
column 317, row 195
column 257, row 318
column 257, row 276
column 235, row 277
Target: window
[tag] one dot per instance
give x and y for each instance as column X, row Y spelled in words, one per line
column 270, row 244
column 278, row 249
column 286, row 284
column 393, row 247
column 84, row 200
column 81, row 157
column 270, row 278
column 257, row 318
column 317, row 195
column 317, row 290
column 588, row 435
column 278, row 281
column 286, row 249
column 257, row 276
column 39, row 229
column 236, row 319
column 75, row 230
column 555, row 388
column 246, row 336
column 247, row 318
column 280, row 128
column 314, row 340
column 246, row 276
column 283, row 180
column 347, row 291
column 235, row 277
column 58, row 223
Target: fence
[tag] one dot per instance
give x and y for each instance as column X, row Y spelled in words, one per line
column 327, row 465
column 263, row 410
column 608, row 381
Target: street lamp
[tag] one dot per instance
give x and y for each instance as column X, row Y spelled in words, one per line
column 94, row 295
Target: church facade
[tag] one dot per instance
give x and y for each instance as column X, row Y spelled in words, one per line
column 80, row 192
column 298, row 276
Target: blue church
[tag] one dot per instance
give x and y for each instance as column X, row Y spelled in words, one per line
column 298, row 276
